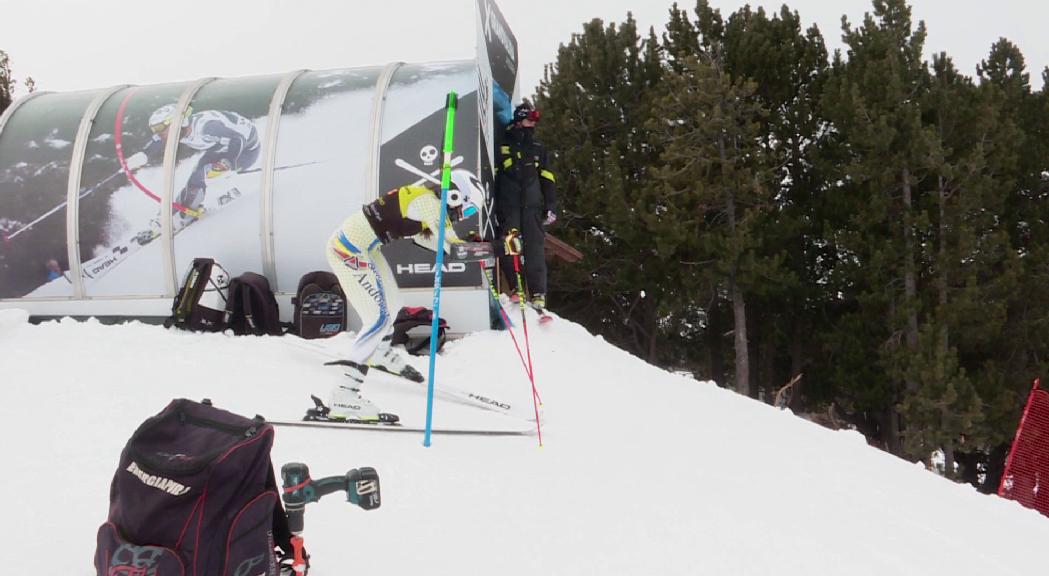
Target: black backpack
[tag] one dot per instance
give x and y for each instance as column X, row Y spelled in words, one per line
column 320, row 306
column 195, row 493
column 412, row 328
column 201, row 301
column 252, row 308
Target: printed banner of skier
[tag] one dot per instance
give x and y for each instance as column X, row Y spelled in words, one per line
column 124, row 211
column 35, row 151
column 319, row 176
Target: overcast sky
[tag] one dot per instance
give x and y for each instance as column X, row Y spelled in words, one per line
column 73, row 44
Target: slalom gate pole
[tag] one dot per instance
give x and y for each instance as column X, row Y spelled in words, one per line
column 528, row 347
column 506, row 321
column 118, row 143
column 451, row 103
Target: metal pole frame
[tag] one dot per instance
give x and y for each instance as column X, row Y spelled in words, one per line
column 166, row 195
column 382, row 86
column 269, row 160
column 76, row 170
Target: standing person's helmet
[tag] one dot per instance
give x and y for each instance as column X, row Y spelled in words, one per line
column 161, row 118
column 526, row 111
column 464, row 191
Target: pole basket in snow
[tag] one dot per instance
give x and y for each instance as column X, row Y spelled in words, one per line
column 1026, row 476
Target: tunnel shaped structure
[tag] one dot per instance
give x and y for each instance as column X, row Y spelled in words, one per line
column 85, row 231
column 107, row 196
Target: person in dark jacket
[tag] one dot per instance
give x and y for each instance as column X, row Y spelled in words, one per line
column 525, row 199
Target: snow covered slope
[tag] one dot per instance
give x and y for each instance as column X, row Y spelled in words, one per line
column 643, row 472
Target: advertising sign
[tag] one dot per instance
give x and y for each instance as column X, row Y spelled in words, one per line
column 413, row 130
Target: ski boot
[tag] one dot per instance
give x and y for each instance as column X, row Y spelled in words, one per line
column 150, row 234
column 386, row 359
column 539, row 301
column 192, row 202
column 230, row 195
column 348, row 406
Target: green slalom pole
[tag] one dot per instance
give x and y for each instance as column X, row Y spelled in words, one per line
column 450, row 105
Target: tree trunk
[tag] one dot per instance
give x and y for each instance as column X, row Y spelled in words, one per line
column 652, row 321
column 944, row 341
column 715, row 350
column 797, row 348
column 910, row 290
column 891, row 429
column 739, row 313
column 739, row 308
column 767, row 365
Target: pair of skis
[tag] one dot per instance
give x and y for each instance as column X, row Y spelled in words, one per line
column 101, row 265
column 449, row 393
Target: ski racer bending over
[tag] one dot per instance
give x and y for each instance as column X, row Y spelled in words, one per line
column 229, row 141
column 366, row 279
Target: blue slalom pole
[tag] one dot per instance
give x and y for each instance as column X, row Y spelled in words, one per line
column 446, row 178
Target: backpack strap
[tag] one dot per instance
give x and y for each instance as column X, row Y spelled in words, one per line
column 190, row 292
column 245, row 300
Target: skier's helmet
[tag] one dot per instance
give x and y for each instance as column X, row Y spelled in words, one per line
column 464, row 192
column 161, row 118
column 526, row 111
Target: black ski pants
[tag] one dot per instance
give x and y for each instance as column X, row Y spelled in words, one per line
column 529, row 222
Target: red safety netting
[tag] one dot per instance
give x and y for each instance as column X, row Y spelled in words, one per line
column 1026, row 477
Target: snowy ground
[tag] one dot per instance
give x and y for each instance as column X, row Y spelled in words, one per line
column 643, row 472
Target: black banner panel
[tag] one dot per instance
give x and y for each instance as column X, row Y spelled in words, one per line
column 413, row 136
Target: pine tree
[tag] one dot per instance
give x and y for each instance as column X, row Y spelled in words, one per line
column 714, row 183
column 788, row 65
column 595, row 102
column 1016, row 353
column 7, row 82
column 966, row 254
column 873, row 100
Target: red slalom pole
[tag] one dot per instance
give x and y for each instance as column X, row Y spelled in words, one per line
column 118, row 141
column 505, row 319
column 528, row 347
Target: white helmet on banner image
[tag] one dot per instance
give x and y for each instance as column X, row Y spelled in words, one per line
column 161, row 118
column 464, row 193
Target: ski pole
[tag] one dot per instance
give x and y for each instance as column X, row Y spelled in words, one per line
column 505, row 319
column 521, row 299
column 528, row 347
column 451, row 103
column 12, row 235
